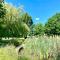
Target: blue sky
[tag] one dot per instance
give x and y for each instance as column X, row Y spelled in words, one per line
column 40, row 10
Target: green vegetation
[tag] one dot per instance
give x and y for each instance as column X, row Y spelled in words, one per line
column 21, row 39
column 27, row 19
column 13, row 25
column 15, row 42
column 2, row 9
column 41, row 48
column 8, row 53
column 53, row 25
column 37, row 29
column 35, row 48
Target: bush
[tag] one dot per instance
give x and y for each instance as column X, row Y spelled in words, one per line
column 16, row 42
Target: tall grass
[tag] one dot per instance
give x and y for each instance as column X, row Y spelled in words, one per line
column 41, row 48
column 35, row 48
column 8, row 53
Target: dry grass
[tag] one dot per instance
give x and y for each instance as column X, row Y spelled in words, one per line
column 35, row 48
column 41, row 48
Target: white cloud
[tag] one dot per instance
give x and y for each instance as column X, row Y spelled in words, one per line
column 37, row 18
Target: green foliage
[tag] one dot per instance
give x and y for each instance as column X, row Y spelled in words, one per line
column 16, row 42
column 37, row 29
column 23, row 58
column 52, row 27
column 8, row 53
column 2, row 10
column 12, row 25
column 27, row 19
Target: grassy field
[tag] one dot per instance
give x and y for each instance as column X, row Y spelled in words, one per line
column 8, row 53
column 41, row 48
column 35, row 48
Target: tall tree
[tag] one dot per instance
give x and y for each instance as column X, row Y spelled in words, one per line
column 27, row 19
column 52, row 27
column 37, row 29
column 12, row 25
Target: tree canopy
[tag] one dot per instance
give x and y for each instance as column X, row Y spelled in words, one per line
column 26, row 18
column 2, row 9
column 12, row 25
column 52, row 27
column 37, row 29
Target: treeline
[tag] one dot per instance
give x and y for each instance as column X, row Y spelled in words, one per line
column 14, row 22
column 51, row 27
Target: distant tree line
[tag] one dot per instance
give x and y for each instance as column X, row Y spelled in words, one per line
column 51, row 27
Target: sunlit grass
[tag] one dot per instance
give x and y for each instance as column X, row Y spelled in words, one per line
column 8, row 53
column 41, row 48
column 35, row 48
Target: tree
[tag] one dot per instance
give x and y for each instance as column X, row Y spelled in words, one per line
column 12, row 25
column 2, row 9
column 27, row 19
column 37, row 29
column 52, row 27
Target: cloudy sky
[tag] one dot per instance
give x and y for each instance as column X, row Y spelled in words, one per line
column 40, row 10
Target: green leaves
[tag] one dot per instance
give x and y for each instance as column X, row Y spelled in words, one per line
column 2, row 11
column 12, row 25
column 37, row 29
column 27, row 19
column 52, row 27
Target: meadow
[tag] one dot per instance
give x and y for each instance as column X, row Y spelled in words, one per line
column 35, row 48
